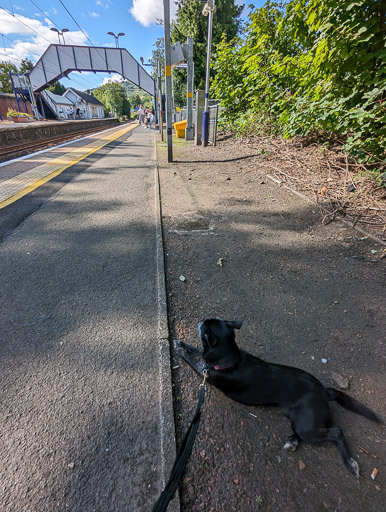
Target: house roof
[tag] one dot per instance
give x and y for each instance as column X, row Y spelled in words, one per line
column 62, row 100
column 84, row 96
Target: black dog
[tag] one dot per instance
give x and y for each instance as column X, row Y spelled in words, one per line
column 250, row 380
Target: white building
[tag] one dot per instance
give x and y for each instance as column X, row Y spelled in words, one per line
column 89, row 106
column 59, row 105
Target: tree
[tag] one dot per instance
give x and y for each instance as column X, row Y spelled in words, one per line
column 113, row 96
column 8, row 67
column 26, row 66
column 190, row 22
column 5, row 69
column 309, row 67
column 57, row 88
column 135, row 100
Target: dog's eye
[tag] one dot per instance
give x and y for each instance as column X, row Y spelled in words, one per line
column 213, row 341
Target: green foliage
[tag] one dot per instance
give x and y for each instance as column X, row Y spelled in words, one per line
column 57, row 88
column 113, row 96
column 306, row 67
column 191, row 23
column 15, row 113
column 135, row 100
column 26, row 66
column 5, row 69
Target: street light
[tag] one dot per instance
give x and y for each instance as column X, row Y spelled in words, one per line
column 143, row 62
column 208, row 10
column 116, row 37
column 60, row 33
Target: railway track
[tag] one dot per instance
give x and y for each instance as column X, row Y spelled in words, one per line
column 16, row 150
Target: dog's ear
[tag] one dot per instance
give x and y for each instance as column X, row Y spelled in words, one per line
column 234, row 324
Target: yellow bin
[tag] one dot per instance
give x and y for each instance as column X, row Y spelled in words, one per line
column 180, row 129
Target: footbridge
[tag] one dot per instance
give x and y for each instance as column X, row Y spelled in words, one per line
column 59, row 60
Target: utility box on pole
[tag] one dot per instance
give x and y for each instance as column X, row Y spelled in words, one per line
column 200, row 105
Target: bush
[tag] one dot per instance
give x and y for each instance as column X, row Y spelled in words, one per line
column 15, row 113
column 309, row 67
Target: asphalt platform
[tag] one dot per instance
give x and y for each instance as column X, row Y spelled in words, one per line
column 86, row 416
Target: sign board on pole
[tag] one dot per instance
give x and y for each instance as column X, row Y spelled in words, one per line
column 177, row 54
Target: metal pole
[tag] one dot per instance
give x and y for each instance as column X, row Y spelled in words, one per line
column 32, row 99
column 168, row 83
column 189, row 131
column 160, row 118
column 173, row 104
column 205, row 114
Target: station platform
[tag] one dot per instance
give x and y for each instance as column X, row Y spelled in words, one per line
column 14, row 133
column 85, row 359
column 20, row 176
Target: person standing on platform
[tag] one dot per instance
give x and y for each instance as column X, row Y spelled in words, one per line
column 141, row 114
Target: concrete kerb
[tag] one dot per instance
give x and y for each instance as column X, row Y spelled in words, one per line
column 168, row 431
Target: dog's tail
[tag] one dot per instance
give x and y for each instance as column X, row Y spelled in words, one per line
column 351, row 404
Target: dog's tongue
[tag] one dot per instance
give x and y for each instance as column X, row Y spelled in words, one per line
column 218, row 367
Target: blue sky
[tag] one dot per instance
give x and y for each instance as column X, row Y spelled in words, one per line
column 25, row 28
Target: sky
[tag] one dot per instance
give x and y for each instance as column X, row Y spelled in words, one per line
column 25, row 29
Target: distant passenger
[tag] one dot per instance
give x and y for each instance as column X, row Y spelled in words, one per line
column 141, row 115
column 77, row 115
column 146, row 117
column 150, row 117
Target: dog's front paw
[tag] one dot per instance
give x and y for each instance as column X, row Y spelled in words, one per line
column 354, row 467
column 187, row 348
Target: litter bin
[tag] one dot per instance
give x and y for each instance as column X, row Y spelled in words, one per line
column 180, row 128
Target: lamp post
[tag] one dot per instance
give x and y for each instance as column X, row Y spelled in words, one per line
column 208, row 10
column 116, row 37
column 60, row 33
column 143, row 62
column 168, row 81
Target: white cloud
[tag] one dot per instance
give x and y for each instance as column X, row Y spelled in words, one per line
column 148, row 12
column 94, row 14
column 55, row 11
column 30, row 37
column 113, row 78
column 19, row 8
column 105, row 5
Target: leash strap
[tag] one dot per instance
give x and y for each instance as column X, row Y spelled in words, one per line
column 183, row 455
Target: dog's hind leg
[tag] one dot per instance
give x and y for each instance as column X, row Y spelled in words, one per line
column 335, row 435
column 292, row 442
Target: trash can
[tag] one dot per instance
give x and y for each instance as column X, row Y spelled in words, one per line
column 180, row 128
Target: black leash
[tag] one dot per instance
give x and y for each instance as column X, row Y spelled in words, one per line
column 183, row 454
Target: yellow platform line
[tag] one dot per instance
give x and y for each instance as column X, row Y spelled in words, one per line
column 13, row 189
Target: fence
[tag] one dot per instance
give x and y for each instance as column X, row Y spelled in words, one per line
column 212, row 131
column 213, row 118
